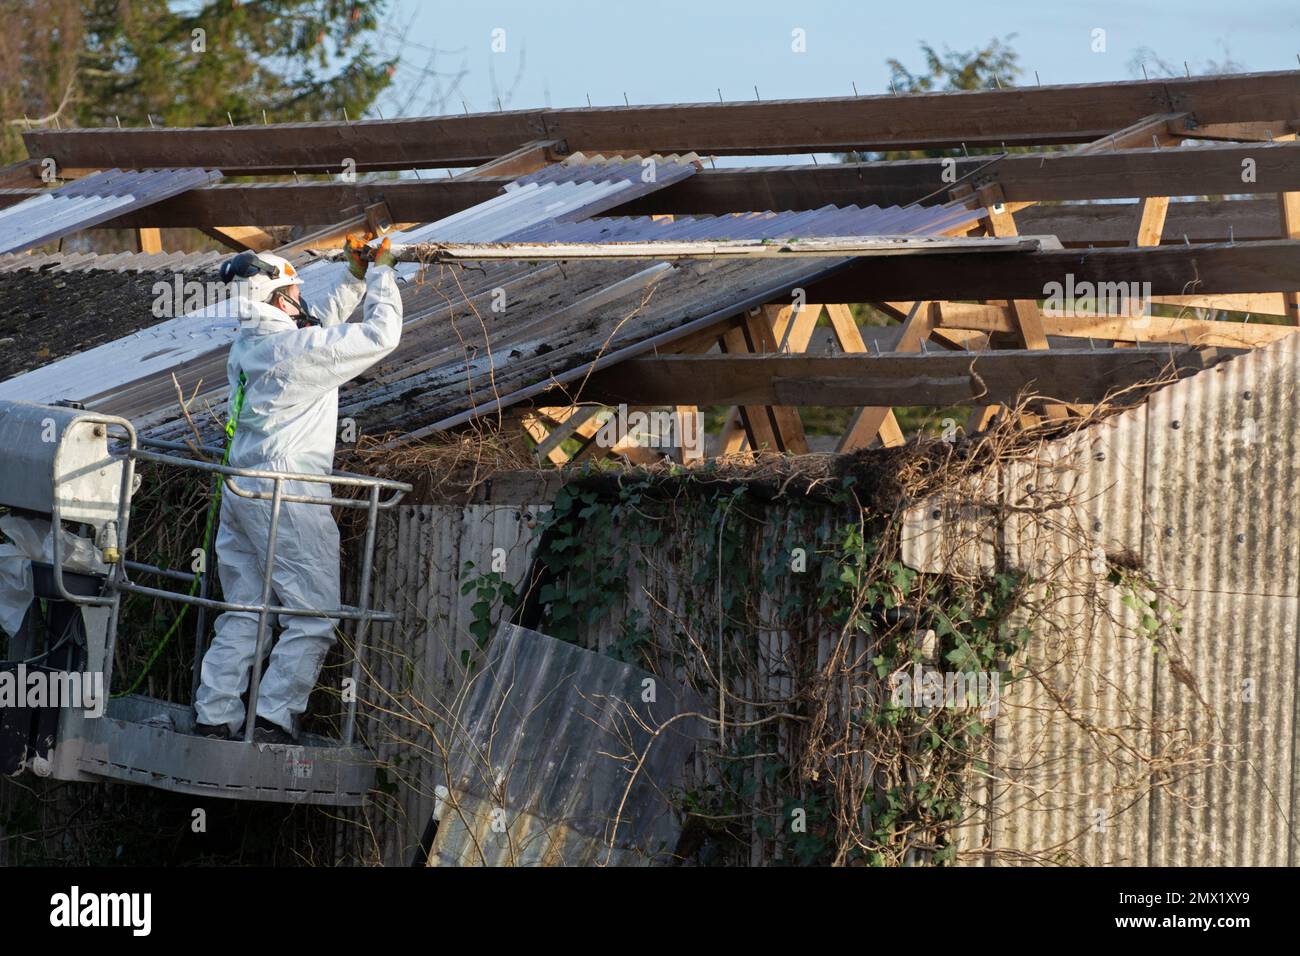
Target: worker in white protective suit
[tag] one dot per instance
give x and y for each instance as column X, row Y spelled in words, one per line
column 285, row 370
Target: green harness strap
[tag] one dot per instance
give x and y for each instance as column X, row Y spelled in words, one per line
column 236, row 407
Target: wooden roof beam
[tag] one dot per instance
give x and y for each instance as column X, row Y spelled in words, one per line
column 1266, row 266
column 997, row 320
column 935, row 378
column 1030, row 177
column 1015, row 116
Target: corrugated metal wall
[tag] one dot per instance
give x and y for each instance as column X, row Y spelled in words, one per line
column 420, row 554
column 1195, row 488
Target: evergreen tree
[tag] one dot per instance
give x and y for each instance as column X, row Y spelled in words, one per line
column 97, row 62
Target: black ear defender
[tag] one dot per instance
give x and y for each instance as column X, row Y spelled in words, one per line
column 245, row 266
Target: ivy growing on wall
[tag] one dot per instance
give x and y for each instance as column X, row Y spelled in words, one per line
column 791, row 784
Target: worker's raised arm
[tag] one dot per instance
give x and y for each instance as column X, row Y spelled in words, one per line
column 325, row 358
column 337, row 304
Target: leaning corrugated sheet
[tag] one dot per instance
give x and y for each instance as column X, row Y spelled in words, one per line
column 87, row 202
column 561, row 755
column 1195, row 488
column 471, row 835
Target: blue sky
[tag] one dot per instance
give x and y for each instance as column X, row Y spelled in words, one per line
column 559, row 52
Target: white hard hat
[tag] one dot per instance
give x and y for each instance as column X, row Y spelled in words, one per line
column 261, row 274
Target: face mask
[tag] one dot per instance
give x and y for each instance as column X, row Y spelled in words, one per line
column 303, row 317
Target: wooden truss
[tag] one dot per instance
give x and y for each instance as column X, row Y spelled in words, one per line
column 969, row 327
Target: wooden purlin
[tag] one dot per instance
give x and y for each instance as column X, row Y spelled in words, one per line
column 1172, row 269
column 1086, row 225
column 21, row 173
column 1079, row 376
column 1073, row 175
column 1135, row 327
column 1046, row 115
column 1027, row 177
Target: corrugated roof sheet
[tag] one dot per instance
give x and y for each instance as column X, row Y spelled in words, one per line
column 479, row 337
column 575, row 189
column 59, row 262
column 824, row 222
column 459, row 359
column 90, row 201
column 53, row 306
column 582, row 187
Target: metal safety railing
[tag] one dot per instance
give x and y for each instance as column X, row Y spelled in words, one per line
column 119, row 582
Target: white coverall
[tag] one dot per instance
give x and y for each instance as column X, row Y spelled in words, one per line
column 288, row 423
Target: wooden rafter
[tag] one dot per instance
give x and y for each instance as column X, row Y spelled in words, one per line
column 877, row 421
column 1027, row 321
column 148, row 241
column 1289, row 211
column 528, row 158
column 242, row 237
column 935, row 378
column 536, row 429
column 1154, row 130
column 766, row 427
column 374, row 219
